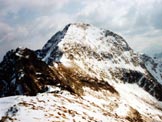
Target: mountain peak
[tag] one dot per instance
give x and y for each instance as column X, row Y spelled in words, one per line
column 101, row 54
column 82, row 34
column 82, row 73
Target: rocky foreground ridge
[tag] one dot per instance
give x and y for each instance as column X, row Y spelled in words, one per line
column 82, row 73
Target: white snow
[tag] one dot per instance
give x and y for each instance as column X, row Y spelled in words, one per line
column 6, row 103
column 139, row 99
column 21, row 75
column 48, row 107
column 38, row 73
column 155, row 70
column 19, row 55
column 123, row 109
column 93, row 106
column 52, row 88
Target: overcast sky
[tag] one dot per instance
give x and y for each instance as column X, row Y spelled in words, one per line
column 30, row 23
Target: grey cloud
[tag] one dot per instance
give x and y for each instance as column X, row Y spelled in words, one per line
column 32, row 23
column 29, row 30
column 138, row 21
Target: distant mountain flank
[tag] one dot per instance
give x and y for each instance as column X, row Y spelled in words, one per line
column 158, row 56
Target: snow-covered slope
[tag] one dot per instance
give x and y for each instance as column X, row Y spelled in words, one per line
column 86, row 74
column 154, row 66
column 100, row 54
column 130, row 106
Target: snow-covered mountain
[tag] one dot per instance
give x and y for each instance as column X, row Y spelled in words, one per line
column 82, row 73
column 158, row 56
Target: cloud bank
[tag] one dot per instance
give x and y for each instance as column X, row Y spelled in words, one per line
column 31, row 23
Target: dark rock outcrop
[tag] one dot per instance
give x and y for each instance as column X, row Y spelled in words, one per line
column 21, row 72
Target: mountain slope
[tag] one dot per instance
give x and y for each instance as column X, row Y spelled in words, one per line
column 100, row 54
column 86, row 74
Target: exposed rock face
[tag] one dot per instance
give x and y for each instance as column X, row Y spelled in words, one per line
column 86, row 74
column 22, row 73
